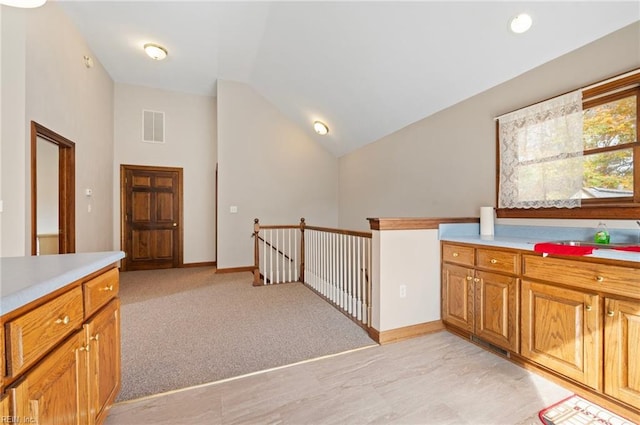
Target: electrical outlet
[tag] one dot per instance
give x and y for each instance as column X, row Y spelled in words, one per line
column 403, row 291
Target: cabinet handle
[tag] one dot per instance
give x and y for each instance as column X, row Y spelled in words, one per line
column 469, row 278
column 455, row 254
column 599, row 279
column 493, row 261
column 477, row 279
column 610, row 313
column 86, row 348
column 96, row 337
column 65, row 320
column 108, row 288
column 588, row 307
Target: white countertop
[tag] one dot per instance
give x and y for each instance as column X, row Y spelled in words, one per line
column 25, row 279
column 525, row 238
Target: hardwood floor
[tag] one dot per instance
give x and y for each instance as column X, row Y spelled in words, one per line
column 435, row 379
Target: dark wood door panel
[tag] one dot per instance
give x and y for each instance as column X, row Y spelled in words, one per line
column 152, row 210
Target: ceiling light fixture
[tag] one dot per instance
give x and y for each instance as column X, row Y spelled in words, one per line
column 155, row 51
column 26, row 4
column 320, row 128
column 521, row 23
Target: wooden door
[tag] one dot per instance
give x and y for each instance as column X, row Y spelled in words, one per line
column 561, row 330
column 457, row 296
column 54, row 392
column 103, row 334
column 152, row 217
column 496, row 310
column 622, row 351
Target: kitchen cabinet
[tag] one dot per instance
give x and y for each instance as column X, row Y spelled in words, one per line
column 578, row 317
column 579, row 288
column 561, row 330
column 622, row 350
column 53, row 391
column 5, row 406
column 63, row 353
column 480, row 293
column 102, row 334
column 31, row 335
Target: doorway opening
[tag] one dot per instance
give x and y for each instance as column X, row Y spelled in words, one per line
column 53, row 182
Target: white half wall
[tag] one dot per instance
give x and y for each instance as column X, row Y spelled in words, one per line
column 269, row 169
column 408, row 259
column 445, row 164
column 190, row 144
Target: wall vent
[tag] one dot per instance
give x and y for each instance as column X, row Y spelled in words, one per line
column 152, row 126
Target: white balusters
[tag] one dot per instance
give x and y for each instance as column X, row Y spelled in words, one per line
column 337, row 264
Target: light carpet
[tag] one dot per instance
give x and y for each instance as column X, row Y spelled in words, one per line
column 185, row 327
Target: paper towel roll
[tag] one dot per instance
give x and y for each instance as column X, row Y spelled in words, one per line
column 486, row 221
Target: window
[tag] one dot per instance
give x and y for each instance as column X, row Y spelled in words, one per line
column 600, row 181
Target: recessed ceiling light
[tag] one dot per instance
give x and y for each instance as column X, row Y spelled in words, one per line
column 155, row 51
column 521, row 23
column 320, row 128
column 23, row 3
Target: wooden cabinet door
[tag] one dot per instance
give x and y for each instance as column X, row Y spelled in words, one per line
column 622, row 351
column 103, row 334
column 5, row 407
column 53, row 392
column 457, row 296
column 496, row 310
column 561, row 330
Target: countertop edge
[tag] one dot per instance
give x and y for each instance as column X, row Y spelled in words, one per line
column 32, row 292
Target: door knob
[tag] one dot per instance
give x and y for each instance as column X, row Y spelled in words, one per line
column 175, row 224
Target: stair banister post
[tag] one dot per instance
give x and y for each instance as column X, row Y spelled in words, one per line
column 256, row 253
column 302, row 226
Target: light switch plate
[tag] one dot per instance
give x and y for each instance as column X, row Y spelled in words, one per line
column 233, row 209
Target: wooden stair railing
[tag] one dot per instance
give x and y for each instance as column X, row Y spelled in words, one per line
column 287, row 263
column 334, row 263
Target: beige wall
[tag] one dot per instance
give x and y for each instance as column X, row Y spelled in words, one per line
column 48, row 83
column 270, row 169
column 13, row 133
column 444, row 165
column 190, row 144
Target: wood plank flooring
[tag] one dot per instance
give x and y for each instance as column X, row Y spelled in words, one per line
column 434, row 379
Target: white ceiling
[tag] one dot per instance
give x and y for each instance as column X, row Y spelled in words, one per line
column 367, row 69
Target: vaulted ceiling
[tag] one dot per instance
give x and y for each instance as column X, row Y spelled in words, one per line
column 367, row 69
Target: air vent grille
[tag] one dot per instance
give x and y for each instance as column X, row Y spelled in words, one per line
column 152, row 126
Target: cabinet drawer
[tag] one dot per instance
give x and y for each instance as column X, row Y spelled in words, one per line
column 100, row 290
column 501, row 261
column 617, row 280
column 34, row 333
column 458, row 254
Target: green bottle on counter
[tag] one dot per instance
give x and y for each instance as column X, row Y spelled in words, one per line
column 602, row 234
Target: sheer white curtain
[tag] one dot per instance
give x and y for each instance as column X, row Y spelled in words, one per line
column 541, row 154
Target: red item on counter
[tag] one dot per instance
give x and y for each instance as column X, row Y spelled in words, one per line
column 552, row 248
column 628, row 248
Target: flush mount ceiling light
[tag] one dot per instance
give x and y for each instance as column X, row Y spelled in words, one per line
column 521, row 23
column 155, row 51
column 320, row 128
column 23, row 3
